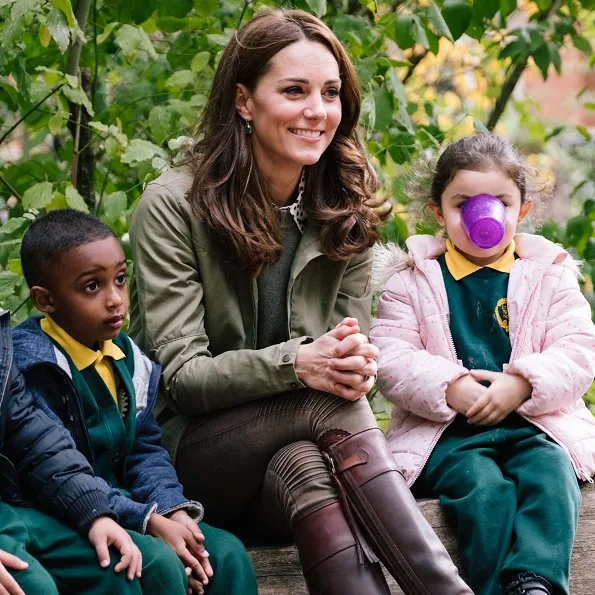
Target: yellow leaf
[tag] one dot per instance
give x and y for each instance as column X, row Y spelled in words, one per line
column 44, row 36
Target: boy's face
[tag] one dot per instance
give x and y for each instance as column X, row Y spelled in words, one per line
column 87, row 294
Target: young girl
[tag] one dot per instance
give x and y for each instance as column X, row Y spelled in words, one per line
column 486, row 353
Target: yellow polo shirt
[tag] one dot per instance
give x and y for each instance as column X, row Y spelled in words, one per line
column 460, row 267
column 83, row 357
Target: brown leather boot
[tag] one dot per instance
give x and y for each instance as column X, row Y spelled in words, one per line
column 330, row 556
column 388, row 514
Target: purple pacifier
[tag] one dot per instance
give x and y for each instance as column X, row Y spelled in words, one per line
column 484, row 219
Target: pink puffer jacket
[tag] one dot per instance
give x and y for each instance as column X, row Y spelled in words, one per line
column 552, row 337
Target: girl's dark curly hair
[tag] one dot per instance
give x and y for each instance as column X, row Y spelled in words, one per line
column 230, row 194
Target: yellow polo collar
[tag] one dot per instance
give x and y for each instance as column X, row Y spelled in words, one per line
column 81, row 355
column 460, row 267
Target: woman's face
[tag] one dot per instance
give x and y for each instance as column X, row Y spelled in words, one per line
column 295, row 108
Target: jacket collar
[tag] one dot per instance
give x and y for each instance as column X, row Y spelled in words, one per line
column 31, row 345
column 528, row 246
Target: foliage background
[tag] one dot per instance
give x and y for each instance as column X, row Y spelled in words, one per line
column 97, row 96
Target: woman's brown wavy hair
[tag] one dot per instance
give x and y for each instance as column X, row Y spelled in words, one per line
column 230, row 194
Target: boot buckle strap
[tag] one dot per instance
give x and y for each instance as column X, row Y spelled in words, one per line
column 358, row 458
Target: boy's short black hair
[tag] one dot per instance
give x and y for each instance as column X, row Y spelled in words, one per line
column 54, row 234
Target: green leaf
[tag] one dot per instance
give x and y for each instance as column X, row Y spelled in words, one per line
column 397, row 88
column 175, row 8
column 115, row 206
column 395, row 230
column 58, row 28
column 541, row 55
column 162, row 122
column 384, row 108
column 437, row 20
column 318, row 7
column 22, row 78
column 55, row 123
column 555, row 56
column 38, row 196
column 12, row 225
column 181, row 79
column 206, row 8
column 457, row 14
column 584, row 133
column 44, row 36
column 581, row 43
column 368, row 112
column 77, row 96
column 140, row 150
column 14, row 265
column 66, row 7
column 137, row 11
column 134, row 42
column 74, row 200
column 480, row 126
column 404, row 31
column 578, row 231
column 8, row 282
column 200, row 61
column 106, row 32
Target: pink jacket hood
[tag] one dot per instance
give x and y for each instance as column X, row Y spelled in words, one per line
column 551, row 332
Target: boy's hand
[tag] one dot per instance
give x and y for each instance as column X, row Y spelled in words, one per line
column 186, row 541
column 8, row 586
column 105, row 532
column 463, row 393
column 505, row 393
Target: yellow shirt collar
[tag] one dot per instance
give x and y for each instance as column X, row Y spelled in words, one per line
column 81, row 355
column 460, row 267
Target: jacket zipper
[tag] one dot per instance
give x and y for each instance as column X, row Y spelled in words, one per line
column 442, row 429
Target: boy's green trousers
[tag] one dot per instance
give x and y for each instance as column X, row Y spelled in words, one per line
column 514, row 497
column 63, row 561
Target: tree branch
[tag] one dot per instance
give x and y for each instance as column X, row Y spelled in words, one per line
column 415, row 60
column 514, row 76
column 55, row 89
column 10, row 187
column 83, row 161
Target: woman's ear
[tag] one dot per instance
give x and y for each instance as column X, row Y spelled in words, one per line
column 42, row 299
column 437, row 212
column 243, row 102
column 526, row 208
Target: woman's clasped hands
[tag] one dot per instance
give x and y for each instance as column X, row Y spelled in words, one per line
column 341, row 362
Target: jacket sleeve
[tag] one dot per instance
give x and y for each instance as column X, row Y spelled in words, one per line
column 170, row 312
column 150, row 475
column 354, row 298
column 563, row 371
column 53, row 473
column 408, row 375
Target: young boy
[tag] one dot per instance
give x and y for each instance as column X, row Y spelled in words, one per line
column 93, row 378
column 39, row 465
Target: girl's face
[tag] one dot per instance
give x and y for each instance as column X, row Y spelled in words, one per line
column 295, row 108
column 467, row 183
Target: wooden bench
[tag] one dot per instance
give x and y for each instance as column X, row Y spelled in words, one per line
column 279, row 573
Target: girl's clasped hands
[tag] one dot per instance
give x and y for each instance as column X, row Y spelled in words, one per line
column 487, row 406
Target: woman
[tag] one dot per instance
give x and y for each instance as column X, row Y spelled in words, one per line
column 252, row 288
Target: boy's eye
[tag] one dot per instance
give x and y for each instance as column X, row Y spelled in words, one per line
column 121, row 279
column 92, row 286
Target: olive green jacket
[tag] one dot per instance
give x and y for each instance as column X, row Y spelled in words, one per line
column 197, row 315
